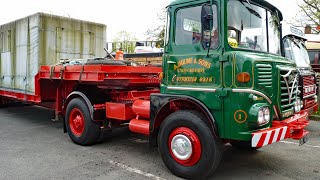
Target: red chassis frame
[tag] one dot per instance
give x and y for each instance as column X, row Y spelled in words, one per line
column 54, row 83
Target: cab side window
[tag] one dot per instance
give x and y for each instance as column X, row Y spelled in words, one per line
column 188, row 27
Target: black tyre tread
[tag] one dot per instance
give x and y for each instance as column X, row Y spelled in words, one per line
column 194, row 121
column 127, row 62
column 92, row 130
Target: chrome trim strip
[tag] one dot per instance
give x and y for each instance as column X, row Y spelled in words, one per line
column 310, row 95
column 253, row 92
column 275, row 111
column 260, row 94
column 192, row 89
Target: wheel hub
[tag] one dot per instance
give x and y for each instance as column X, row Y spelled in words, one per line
column 184, row 146
column 76, row 122
column 181, row 147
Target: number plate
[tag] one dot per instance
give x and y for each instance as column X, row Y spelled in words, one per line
column 304, row 139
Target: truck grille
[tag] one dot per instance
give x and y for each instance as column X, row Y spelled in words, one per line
column 308, row 86
column 309, row 90
column 288, row 92
column 264, row 75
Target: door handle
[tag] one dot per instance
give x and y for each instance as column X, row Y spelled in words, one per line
column 171, row 62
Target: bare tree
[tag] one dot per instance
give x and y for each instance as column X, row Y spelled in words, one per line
column 125, row 40
column 311, row 11
column 157, row 32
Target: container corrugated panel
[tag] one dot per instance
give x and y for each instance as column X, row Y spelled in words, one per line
column 43, row 39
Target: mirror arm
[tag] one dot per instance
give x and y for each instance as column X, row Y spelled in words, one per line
column 210, row 17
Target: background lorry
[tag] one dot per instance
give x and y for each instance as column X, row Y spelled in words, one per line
column 205, row 94
column 313, row 47
column 295, row 49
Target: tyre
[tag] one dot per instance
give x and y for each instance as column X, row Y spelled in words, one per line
column 187, row 146
column 243, row 145
column 80, row 127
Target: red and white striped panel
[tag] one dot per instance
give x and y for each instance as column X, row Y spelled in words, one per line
column 263, row 138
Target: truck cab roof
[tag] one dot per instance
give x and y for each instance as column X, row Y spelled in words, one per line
column 175, row 2
column 288, row 30
column 261, row 2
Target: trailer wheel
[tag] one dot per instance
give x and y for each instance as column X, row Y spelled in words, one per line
column 187, row 146
column 244, row 145
column 80, row 127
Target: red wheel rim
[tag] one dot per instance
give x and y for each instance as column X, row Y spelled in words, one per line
column 184, row 146
column 76, row 122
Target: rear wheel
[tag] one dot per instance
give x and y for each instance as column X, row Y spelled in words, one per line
column 81, row 129
column 188, row 147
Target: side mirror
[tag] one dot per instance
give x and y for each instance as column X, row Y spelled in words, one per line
column 206, row 17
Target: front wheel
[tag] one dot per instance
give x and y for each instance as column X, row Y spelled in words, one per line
column 80, row 127
column 188, row 147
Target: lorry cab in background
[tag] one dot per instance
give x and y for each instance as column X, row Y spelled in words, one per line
column 313, row 47
column 295, row 49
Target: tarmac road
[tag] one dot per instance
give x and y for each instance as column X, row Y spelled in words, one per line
column 34, row 147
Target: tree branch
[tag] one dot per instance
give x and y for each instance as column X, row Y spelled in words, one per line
column 307, row 13
column 310, row 4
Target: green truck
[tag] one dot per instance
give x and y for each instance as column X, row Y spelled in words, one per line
column 236, row 83
column 223, row 80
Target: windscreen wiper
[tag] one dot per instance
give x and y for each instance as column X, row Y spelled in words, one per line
column 294, row 41
column 251, row 10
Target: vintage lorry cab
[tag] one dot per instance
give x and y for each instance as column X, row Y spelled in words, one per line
column 295, row 49
column 249, row 91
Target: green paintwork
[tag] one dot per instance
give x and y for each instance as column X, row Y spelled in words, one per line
column 235, row 113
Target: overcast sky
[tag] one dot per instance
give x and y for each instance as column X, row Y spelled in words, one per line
column 134, row 16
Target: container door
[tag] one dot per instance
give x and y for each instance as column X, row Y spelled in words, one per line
column 7, row 63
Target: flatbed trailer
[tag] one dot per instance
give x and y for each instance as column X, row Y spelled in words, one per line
column 53, row 84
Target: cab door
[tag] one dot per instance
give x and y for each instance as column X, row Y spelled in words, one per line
column 188, row 61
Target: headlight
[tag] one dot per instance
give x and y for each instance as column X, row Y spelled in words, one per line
column 315, row 98
column 266, row 114
column 263, row 115
column 298, row 105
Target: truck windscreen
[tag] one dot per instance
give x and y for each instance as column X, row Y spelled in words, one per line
column 252, row 27
column 296, row 51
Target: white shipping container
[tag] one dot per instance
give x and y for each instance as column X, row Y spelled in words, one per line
column 43, row 39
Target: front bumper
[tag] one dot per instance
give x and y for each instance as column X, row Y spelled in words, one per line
column 292, row 127
column 310, row 110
